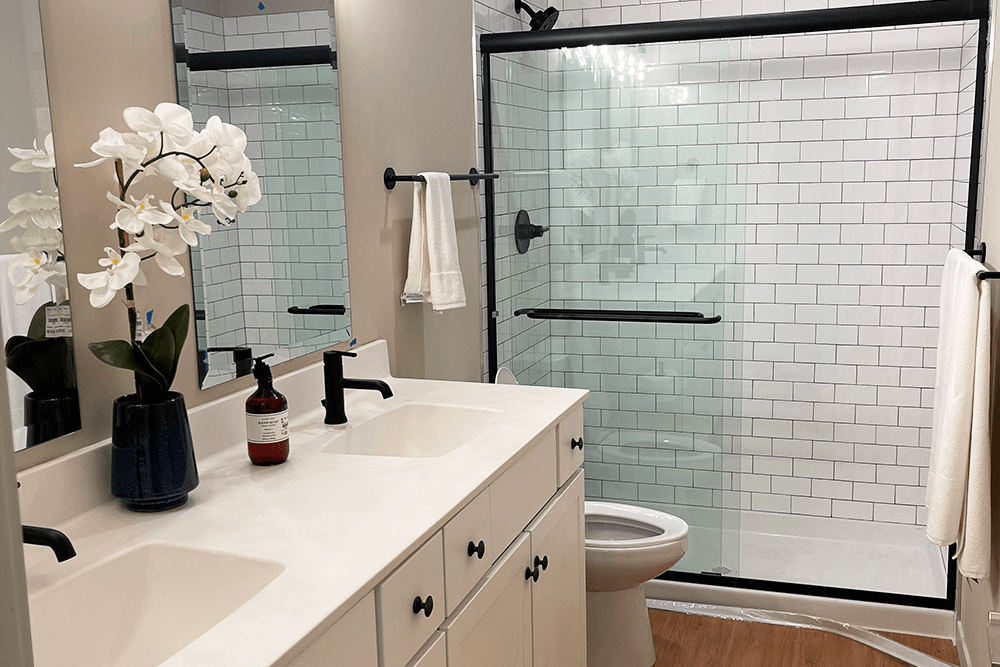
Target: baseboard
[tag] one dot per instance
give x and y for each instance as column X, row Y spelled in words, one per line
column 873, row 616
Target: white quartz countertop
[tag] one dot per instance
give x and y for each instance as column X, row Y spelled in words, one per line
column 338, row 523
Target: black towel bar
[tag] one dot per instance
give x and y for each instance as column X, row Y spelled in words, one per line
column 320, row 309
column 390, row 177
column 672, row 317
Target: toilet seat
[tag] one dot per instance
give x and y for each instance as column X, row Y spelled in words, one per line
column 629, row 527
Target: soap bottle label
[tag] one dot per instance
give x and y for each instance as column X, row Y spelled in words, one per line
column 266, row 429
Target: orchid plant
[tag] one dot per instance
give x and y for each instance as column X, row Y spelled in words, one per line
column 207, row 169
column 41, row 257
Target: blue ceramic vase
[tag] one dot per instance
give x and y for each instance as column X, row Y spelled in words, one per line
column 152, row 454
column 52, row 417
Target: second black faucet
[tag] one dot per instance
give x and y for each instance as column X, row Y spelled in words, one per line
column 335, row 383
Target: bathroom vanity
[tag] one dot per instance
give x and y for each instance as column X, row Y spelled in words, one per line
column 443, row 526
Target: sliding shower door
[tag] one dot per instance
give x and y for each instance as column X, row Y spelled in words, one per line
column 629, row 293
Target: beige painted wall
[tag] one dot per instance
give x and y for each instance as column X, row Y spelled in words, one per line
column 978, row 598
column 105, row 55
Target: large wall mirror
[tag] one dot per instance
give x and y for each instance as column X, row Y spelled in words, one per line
column 275, row 281
column 34, row 301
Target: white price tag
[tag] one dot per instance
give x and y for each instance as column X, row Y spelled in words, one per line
column 58, row 322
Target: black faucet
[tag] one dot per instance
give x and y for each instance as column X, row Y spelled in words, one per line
column 335, row 383
column 51, row 538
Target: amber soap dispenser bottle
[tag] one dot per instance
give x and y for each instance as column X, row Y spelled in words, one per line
column 267, row 419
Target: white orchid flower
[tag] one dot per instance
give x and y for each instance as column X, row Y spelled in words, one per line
column 130, row 148
column 239, row 178
column 36, row 238
column 229, row 140
column 183, row 173
column 121, row 271
column 166, row 243
column 56, row 275
column 187, row 225
column 218, row 198
column 173, row 121
column 134, row 217
column 23, row 272
column 34, row 207
column 34, row 159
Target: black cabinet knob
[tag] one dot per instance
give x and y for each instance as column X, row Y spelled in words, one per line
column 531, row 574
column 576, row 443
column 477, row 550
column 543, row 562
column 427, row 606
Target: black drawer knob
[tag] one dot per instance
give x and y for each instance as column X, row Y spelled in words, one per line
column 576, row 443
column 543, row 562
column 531, row 574
column 427, row 606
column 475, row 550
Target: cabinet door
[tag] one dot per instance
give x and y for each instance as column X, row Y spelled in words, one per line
column 492, row 628
column 351, row 640
column 559, row 597
column 433, row 654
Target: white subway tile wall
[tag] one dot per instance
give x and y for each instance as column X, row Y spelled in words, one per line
column 804, row 187
column 289, row 249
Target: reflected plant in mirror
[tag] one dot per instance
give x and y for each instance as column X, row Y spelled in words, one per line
column 276, row 282
column 43, row 357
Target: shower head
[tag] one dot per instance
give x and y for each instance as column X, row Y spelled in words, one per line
column 541, row 19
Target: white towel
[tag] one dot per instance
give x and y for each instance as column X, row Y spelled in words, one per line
column 958, row 488
column 433, row 274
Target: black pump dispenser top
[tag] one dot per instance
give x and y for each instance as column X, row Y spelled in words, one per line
column 261, row 371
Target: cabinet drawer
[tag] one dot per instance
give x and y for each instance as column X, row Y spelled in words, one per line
column 433, row 654
column 464, row 562
column 401, row 631
column 492, row 628
column 569, row 444
column 517, row 495
column 351, row 641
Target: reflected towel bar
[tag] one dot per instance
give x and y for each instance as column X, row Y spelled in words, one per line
column 390, row 177
column 671, row 317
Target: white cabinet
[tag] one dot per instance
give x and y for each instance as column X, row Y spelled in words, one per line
column 351, row 641
column 559, row 597
column 492, row 628
column 521, row 604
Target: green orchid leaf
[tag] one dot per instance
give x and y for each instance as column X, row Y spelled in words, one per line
column 36, row 329
column 42, row 364
column 177, row 324
column 160, row 350
column 154, row 386
column 121, row 354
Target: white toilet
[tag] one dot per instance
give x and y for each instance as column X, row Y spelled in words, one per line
column 625, row 547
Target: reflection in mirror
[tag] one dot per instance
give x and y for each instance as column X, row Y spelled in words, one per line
column 34, row 301
column 276, row 280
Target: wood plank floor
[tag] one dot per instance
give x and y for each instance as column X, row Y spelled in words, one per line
column 686, row 640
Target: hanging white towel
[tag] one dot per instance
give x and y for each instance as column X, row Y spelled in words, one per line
column 433, row 274
column 958, row 488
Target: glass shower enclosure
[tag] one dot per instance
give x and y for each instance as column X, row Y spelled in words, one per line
column 731, row 233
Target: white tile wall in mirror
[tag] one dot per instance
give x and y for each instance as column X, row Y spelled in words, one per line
column 270, row 70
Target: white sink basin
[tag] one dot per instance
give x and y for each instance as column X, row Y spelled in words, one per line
column 414, row 430
column 140, row 607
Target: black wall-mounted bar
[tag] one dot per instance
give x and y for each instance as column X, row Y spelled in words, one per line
column 390, row 177
column 590, row 315
column 253, row 58
column 749, row 25
column 320, row 309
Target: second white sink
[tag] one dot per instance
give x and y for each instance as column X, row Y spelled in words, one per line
column 140, row 607
column 414, row 430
